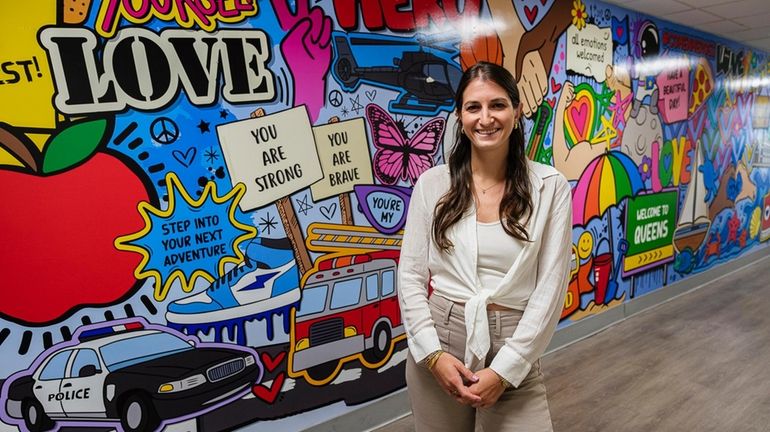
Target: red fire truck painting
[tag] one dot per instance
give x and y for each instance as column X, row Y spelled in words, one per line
column 349, row 310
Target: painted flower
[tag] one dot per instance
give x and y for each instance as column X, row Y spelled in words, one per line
column 579, row 14
column 645, row 169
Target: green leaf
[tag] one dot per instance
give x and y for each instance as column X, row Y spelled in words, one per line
column 73, row 145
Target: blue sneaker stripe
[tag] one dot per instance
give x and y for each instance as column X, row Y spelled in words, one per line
column 259, row 281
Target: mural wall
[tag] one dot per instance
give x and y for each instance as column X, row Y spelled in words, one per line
column 203, row 201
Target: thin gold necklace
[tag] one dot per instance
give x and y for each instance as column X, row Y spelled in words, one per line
column 484, row 190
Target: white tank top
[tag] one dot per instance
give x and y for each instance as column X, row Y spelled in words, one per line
column 497, row 252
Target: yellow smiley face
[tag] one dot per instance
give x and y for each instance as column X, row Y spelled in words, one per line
column 585, row 245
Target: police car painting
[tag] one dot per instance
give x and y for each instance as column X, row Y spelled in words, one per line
column 128, row 372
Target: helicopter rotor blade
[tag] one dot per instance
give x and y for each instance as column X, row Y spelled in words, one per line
column 366, row 41
column 421, row 44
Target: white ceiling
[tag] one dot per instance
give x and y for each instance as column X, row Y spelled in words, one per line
column 744, row 21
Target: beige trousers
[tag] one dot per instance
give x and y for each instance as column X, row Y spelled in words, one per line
column 522, row 409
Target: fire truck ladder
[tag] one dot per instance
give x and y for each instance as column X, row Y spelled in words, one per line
column 325, row 237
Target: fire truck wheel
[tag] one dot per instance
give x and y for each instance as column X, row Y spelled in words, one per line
column 323, row 371
column 381, row 338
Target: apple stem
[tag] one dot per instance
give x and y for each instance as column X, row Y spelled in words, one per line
column 23, row 149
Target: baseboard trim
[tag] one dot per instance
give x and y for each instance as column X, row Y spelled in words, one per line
column 369, row 416
column 589, row 326
column 395, row 406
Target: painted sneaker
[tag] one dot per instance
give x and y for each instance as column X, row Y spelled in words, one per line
column 266, row 283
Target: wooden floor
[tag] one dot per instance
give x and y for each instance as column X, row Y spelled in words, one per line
column 699, row 362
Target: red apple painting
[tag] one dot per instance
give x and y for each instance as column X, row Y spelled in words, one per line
column 60, row 212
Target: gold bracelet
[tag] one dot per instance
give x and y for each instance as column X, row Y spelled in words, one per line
column 432, row 358
column 504, row 382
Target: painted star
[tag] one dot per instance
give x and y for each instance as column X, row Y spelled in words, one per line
column 223, row 113
column 211, row 154
column 268, row 223
column 356, row 105
column 304, row 207
column 204, row 126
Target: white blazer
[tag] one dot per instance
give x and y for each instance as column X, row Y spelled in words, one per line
column 536, row 282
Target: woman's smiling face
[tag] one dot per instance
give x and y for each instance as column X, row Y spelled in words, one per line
column 487, row 115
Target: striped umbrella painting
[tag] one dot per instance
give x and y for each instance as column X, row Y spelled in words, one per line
column 605, row 182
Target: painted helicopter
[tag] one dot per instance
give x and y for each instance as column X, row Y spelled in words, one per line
column 423, row 71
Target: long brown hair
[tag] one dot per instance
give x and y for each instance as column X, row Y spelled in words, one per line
column 516, row 204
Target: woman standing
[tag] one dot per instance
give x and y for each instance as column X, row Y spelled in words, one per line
column 490, row 234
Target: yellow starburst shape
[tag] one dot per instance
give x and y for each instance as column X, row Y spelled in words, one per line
column 190, row 239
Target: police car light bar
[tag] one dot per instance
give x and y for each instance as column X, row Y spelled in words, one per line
column 99, row 332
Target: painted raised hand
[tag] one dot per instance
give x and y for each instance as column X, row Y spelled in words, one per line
column 532, row 83
column 535, row 52
column 566, row 97
column 306, row 50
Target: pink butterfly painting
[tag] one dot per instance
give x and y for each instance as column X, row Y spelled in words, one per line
column 398, row 157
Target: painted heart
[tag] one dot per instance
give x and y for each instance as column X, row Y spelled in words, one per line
column 329, row 211
column 370, row 94
column 269, row 394
column 710, row 142
column 272, row 362
column 744, row 104
column 736, row 152
column 579, row 117
column 185, row 158
column 555, row 87
column 531, row 13
column 722, row 156
column 543, row 2
column 695, row 125
column 714, row 104
column 726, row 123
column 551, row 102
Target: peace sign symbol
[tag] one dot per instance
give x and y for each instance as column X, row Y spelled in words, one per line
column 164, row 130
column 335, row 98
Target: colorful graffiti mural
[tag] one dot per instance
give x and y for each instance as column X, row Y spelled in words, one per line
column 217, row 189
